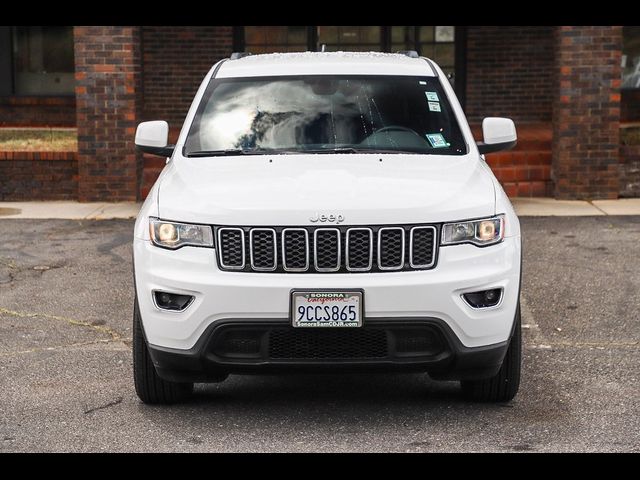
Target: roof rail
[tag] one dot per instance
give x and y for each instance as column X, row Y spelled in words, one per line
column 238, row 55
column 409, row 53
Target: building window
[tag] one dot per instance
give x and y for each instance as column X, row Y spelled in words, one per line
column 43, row 60
column 631, row 57
column 437, row 43
column 36, row 61
column 275, row 39
column 353, row 39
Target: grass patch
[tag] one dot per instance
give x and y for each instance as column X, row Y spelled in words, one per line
column 38, row 139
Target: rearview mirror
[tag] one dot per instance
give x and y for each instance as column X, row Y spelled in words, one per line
column 498, row 134
column 153, row 137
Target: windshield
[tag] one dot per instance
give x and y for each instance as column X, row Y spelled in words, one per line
column 325, row 114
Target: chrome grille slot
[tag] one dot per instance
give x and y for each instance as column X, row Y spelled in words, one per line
column 421, row 246
column 327, row 249
column 359, row 249
column 391, row 248
column 262, row 249
column 231, row 248
column 295, row 249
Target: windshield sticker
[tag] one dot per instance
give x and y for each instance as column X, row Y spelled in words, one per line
column 434, row 106
column 422, row 82
column 432, row 96
column 437, row 140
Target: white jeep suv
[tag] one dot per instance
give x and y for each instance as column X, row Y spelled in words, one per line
column 326, row 212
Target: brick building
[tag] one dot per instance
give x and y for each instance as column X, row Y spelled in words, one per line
column 574, row 93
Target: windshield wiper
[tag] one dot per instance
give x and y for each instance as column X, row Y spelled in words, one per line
column 219, row 153
column 276, row 151
column 358, row 150
column 239, row 151
column 331, row 150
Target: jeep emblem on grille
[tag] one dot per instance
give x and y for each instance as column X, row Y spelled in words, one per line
column 321, row 217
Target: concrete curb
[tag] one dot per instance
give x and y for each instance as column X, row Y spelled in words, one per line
column 68, row 210
column 550, row 207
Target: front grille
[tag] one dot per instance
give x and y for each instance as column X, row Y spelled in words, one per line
column 327, row 249
column 301, row 344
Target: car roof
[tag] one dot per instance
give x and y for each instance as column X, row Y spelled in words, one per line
column 324, row 63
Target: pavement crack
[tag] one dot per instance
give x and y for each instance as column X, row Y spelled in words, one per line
column 71, row 321
column 113, row 403
column 597, row 207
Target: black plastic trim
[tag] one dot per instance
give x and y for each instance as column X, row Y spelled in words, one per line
column 495, row 147
column 496, row 304
column 457, row 362
column 166, row 151
column 154, row 295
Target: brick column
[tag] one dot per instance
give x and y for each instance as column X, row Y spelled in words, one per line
column 108, row 100
column 586, row 112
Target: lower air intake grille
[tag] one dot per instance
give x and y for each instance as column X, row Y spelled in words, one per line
column 287, row 343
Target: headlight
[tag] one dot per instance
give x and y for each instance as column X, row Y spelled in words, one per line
column 176, row 235
column 482, row 232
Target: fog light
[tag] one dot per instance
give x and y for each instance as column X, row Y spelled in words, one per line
column 484, row 298
column 172, row 301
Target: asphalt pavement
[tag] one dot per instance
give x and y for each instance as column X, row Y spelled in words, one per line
column 66, row 370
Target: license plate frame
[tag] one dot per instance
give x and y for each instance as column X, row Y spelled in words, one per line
column 307, row 293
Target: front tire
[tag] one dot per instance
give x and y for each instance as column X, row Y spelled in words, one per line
column 504, row 385
column 149, row 386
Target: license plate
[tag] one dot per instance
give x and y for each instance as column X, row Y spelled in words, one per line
column 326, row 309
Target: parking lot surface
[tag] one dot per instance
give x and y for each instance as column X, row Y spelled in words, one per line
column 66, row 294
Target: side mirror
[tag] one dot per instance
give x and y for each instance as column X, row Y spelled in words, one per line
column 498, row 134
column 153, row 137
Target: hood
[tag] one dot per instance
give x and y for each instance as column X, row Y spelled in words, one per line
column 290, row 189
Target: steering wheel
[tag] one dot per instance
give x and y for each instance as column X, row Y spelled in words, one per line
column 397, row 128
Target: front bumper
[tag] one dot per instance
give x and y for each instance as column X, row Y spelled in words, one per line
column 249, row 346
column 392, row 296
